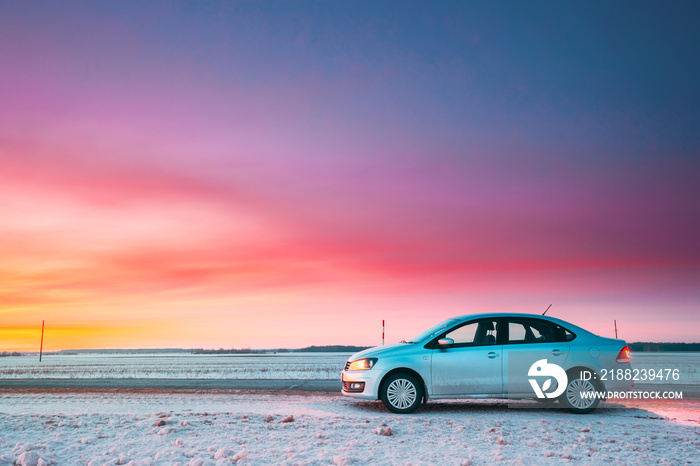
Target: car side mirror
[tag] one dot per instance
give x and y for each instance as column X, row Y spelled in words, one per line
column 446, row 342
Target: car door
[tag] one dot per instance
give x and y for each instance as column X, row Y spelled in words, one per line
column 471, row 365
column 528, row 341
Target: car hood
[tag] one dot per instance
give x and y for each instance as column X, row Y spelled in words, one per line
column 378, row 351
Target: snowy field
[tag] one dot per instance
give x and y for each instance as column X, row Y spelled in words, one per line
column 688, row 365
column 133, row 427
column 145, row 428
column 309, row 366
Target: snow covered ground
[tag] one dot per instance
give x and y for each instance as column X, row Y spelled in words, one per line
column 318, row 366
column 147, row 428
column 687, row 363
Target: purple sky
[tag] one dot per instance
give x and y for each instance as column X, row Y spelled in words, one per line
column 289, row 173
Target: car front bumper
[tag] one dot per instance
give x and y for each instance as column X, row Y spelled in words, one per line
column 370, row 378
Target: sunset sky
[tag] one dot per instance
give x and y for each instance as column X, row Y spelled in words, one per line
column 285, row 174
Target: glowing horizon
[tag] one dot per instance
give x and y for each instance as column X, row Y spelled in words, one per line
column 267, row 175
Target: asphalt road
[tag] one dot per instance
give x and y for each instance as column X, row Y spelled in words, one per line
column 175, row 384
column 690, row 392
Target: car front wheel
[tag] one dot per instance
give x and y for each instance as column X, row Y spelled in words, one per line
column 402, row 393
column 579, row 396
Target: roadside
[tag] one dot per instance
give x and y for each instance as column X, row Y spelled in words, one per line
column 273, row 385
column 114, row 427
column 689, row 391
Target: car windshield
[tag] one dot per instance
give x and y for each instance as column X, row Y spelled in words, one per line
column 432, row 331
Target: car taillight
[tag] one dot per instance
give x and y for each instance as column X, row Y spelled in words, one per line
column 624, row 355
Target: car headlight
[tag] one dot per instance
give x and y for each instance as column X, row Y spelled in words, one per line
column 362, row 364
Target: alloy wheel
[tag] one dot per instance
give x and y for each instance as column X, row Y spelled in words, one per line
column 574, row 393
column 401, row 393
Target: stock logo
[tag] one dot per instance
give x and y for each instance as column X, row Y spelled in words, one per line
column 542, row 368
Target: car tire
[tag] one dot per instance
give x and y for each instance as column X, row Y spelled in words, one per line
column 572, row 399
column 402, row 393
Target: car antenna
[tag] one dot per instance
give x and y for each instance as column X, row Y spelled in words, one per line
column 545, row 311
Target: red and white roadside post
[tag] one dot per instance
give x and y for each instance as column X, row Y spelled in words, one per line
column 41, row 347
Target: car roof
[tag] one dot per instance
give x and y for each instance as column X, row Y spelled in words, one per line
column 555, row 320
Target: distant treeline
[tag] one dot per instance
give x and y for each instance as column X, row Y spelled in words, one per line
column 308, row 349
column 637, row 347
column 233, row 351
column 663, row 347
column 332, row 349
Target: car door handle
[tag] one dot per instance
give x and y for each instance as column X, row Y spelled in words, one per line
column 556, row 352
column 492, row 355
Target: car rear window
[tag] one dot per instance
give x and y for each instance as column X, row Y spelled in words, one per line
column 568, row 336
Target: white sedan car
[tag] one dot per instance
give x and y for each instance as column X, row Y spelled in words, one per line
column 513, row 356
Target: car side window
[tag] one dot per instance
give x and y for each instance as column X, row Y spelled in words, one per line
column 516, row 332
column 531, row 331
column 480, row 333
column 464, row 334
column 543, row 332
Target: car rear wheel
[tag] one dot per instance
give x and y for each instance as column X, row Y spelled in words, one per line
column 579, row 396
column 402, row 393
